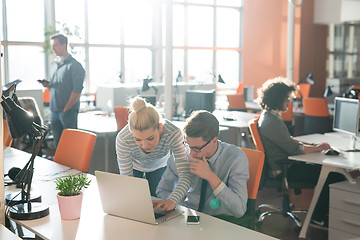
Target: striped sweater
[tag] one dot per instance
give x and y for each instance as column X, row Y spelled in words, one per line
column 130, row 156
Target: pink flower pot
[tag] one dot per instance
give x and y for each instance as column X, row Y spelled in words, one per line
column 70, row 206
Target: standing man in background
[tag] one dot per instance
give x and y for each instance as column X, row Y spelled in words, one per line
column 66, row 83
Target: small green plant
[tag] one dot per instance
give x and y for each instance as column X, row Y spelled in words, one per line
column 60, row 28
column 71, row 185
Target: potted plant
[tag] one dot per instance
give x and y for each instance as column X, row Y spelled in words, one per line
column 70, row 195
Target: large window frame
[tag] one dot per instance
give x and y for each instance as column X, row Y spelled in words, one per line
column 157, row 47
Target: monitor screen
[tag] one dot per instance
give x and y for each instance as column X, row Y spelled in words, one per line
column 346, row 117
column 199, row 100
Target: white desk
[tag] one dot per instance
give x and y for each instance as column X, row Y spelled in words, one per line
column 240, row 122
column 105, row 128
column 7, row 234
column 344, row 163
column 95, row 224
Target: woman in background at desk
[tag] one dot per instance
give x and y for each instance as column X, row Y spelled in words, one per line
column 274, row 97
column 144, row 146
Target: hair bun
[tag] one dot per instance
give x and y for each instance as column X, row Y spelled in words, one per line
column 139, row 104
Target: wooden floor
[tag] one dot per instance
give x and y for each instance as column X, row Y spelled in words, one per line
column 283, row 227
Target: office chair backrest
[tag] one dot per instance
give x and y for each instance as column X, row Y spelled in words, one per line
column 236, row 101
column 75, row 149
column 316, row 107
column 240, row 88
column 7, row 137
column 46, row 96
column 288, row 115
column 304, row 90
column 256, row 164
column 121, row 116
column 316, row 116
column 253, row 127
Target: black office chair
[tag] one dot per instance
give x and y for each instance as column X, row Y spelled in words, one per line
column 280, row 182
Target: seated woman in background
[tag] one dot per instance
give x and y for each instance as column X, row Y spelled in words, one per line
column 144, row 146
column 274, row 97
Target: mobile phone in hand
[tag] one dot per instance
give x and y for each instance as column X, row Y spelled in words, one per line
column 42, row 81
column 193, row 220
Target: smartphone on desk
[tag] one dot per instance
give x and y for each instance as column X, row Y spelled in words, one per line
column 193, row 220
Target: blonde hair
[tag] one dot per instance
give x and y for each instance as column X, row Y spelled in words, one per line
column 143, row 115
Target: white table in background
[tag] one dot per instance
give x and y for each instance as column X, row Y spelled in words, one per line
column 344, row 163
column 237, row 120
column 104, row 126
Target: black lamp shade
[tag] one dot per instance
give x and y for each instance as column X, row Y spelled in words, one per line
column 145, row 86
column 328, row 92
column 220, row 79
column 19, row 120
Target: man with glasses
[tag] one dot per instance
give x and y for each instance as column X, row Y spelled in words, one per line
column 219, row 171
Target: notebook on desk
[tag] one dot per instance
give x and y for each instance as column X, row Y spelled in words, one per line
column 129, row 197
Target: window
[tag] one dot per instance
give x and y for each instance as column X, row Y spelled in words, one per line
column 124, row 41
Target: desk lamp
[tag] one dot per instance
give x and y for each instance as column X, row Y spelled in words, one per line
column 145, row 87
column 21, row 122
column 328, row 92
column 176, row 99
column 220, row 79
column 308, row 79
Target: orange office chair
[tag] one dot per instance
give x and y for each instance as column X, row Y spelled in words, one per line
column 316, row 116
column 304, row 90
column 46, row 97
column 253, row 127
column 287, row 208
column 256, row 164
column 236, row 102
column 240, row 88
column 7, row 137
column 287, row 117
column 121, row 116
column 75, row 149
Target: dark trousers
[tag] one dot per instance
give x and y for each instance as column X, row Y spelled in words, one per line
column 152, row 177
column 309, row 173
column 61, row 121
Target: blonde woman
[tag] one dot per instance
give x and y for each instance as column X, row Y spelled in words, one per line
column 144, row 146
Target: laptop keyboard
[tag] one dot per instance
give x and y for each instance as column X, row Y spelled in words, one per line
column 158, row 215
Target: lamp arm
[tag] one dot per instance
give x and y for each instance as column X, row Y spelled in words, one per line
column 33, row 155
column 26, row 174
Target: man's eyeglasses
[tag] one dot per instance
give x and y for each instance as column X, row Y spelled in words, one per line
column 198, row 149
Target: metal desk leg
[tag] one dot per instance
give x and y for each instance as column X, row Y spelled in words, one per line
column 106, row 146
column 325, row 170
column 319, row 186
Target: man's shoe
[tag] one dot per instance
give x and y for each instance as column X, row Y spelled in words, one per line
column 323, row 224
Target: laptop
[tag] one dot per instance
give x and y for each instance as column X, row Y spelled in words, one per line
column 129, row 197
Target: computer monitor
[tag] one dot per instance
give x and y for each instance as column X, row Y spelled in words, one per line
column 199, row 100
column 346, row 117
column 150, row 99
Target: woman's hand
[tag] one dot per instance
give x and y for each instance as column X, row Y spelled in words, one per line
column 165, row 205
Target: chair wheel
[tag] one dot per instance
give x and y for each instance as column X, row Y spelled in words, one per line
column 297, row 229
column 257, row 213
column 258, row 223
